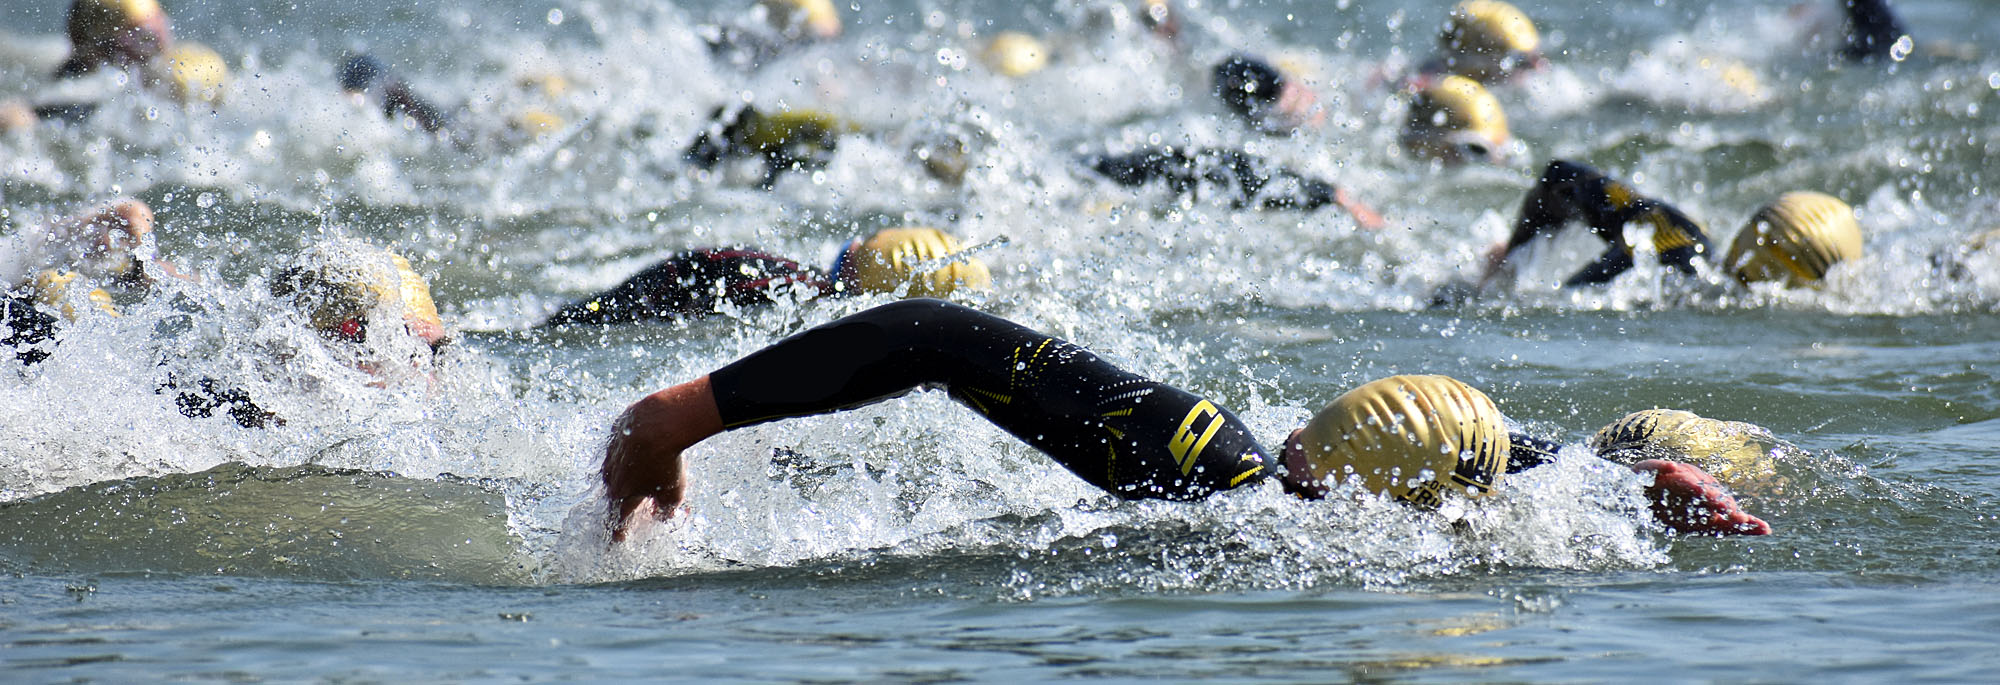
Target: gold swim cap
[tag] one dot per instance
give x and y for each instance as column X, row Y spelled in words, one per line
column 345, row 281
column 1016, row 54
column 889, row 259
column 194, row 73
column 1488, row 39
column 1795, row 240
column 1734, row 452
column 793, row 127
column 1413, row 437
column 535, row 122
column 813, row 18
column 1453, row 118
column 52, row 290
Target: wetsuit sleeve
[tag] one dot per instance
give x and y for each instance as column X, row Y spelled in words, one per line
column 26, row 327
column 1568, row 191
column 1526, row 452
column 1127, row 434
column 1144, row 166
column 693, row 284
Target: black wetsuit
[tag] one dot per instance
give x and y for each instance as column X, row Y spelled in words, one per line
column 693, row 284
column 1134, row 437
column 1569, row 192
column 1249, row 179
column 1872, row 30
column 26, row 328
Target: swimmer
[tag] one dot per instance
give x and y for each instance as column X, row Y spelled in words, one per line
column 114, row 33
column 697, row 283
column 339, row 288
column 1247, row 180
column 1454, row 120
column 1271, row 101
column 792, row 140
column 1128, row 435
column 40, row 267
column 1793, row 241
column 367, row 77
column 1487, row 41
column 771, row 28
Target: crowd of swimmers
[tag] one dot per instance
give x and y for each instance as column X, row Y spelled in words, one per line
column 1416, row 439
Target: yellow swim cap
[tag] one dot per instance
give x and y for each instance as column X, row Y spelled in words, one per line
column 1413, row 437
column 813, row 18
column 1016, row 54
column 194, row 73
column 1488, row 39
column 793, row 127
column 52, row 290
column 535, row 122
column 889, row 259
column 1794, row 240
column 1737, row 453
column 345, row 281
column 1454, row 118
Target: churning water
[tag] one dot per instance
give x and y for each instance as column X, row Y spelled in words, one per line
column 448, row 529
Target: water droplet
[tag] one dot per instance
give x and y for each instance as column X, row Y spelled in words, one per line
column 555, row 17
column 204, row 200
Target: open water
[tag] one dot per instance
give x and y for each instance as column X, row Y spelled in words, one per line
column 450, row 531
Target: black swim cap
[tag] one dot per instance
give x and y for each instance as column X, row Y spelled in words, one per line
column 1247, row 85
column 362, row 72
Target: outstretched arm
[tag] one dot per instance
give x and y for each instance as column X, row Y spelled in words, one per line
column 1684, row 497
column 1687, row 499
column 1129, row 435
column 1553, row 203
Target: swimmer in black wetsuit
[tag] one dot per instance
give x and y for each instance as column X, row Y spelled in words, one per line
column 1793, row 240
column 1132, row 436
column 1568, row 192
column 1264, row 96
column 1248, row 180
column 697, row 283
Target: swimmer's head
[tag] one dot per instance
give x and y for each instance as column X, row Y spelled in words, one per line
column 1456, row 120
column 1248, row 86
column 1015, row 54
column 362, row 72
column 890, row 259
column 1794, row 240
column 1732, row 451
column 115, row 32
column 1488, row 41
column 815, row 19
column 1414, row 438
column 194, row 73
column 339, row 286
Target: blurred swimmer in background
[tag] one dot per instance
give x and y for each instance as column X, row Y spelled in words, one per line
column 770, row 28
column 1248, row 181
column 911, row 261
column 1454, row 120
column 54, row 272
column 1793, row 241
column 1416, row 439
column 130, row 35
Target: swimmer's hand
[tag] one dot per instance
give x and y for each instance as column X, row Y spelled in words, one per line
column 1364, row 216
column 1687, row 499
column 644, row 474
